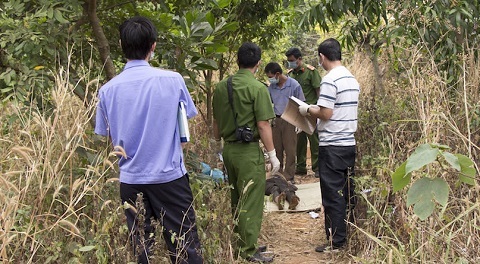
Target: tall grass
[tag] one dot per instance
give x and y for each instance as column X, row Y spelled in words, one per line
column 59, row 189
column 55, row 198
column 420, row 107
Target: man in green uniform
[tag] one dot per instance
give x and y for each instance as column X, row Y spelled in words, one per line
column 309, row 79
column 244, row 160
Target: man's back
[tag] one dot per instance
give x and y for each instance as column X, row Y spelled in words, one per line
column 140, row 109
column 250, row 98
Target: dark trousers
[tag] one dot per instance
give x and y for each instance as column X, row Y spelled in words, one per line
column 276, row 185
column 336, row 167
column 171, row 204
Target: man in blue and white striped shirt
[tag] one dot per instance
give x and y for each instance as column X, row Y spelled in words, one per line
column 337, row 110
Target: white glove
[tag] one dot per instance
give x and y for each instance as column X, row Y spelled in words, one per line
column 298, row 130
column 303, row 109
column 272, row 155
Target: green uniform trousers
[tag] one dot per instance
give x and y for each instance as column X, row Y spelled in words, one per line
column 245, row 166
column 302, row 138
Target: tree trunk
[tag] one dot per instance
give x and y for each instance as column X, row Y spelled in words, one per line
column 102, row 42
column 372, row 54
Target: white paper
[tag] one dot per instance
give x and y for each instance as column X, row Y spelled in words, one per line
column 183, row 123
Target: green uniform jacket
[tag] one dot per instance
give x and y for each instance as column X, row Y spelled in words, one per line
column 309, row 79
column 251, row 101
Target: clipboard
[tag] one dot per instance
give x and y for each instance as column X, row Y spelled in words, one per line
column 308, row 124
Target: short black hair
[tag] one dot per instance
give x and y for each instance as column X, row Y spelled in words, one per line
column 137, row 36
column 331, row 49
column 293, row 51
column 273, row 68
column 248, row 55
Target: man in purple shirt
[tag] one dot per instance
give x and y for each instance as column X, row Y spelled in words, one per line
column 284, row 136
column 137, row 110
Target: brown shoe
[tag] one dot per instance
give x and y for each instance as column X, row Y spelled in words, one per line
column 292, row 205
column 280, row 200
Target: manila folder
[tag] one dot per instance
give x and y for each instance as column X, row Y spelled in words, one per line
column 293, row 116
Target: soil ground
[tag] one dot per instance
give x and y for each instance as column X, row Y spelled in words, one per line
column 292, row 237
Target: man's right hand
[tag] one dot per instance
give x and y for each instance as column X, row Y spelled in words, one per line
column 303, row 109
column 272, row 155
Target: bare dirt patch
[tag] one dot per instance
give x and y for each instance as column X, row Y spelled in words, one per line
column 292, row 237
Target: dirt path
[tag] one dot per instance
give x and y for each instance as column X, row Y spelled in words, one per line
column 292, row 237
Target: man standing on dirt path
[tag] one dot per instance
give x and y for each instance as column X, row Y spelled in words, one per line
column 281, row 88
column 137, row 110
column 242, row 109
column 309, row 79
column 337, row 110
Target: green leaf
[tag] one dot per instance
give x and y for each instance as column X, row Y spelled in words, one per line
column 439, row 146
column 423, row 194
column 467, row 171
column 197, row 30
column 232, row 26
column 210, row 19
column 217, row 47
column 6, row 90
column 452, row 160
column 50, row 13
column 399, row 178
column 206, row 64
column 189, row 18
column 423, row 155
column 223, row 3
column 86, row 248
column 59, row 17
column 424, row 209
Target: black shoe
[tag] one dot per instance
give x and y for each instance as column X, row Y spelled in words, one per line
column 259, row 258
column 328, row 248
column 317, row 174
column 262, row 248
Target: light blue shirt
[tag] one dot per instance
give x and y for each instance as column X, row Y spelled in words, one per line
column 280, row 95
column 138, row 110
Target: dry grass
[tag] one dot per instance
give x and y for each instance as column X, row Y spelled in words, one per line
column 59, row 190
column 422, row 110
column 50, row 197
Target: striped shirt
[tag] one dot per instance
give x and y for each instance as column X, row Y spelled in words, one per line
column 339, row 91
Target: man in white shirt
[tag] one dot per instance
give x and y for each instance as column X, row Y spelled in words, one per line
column 336, row 110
